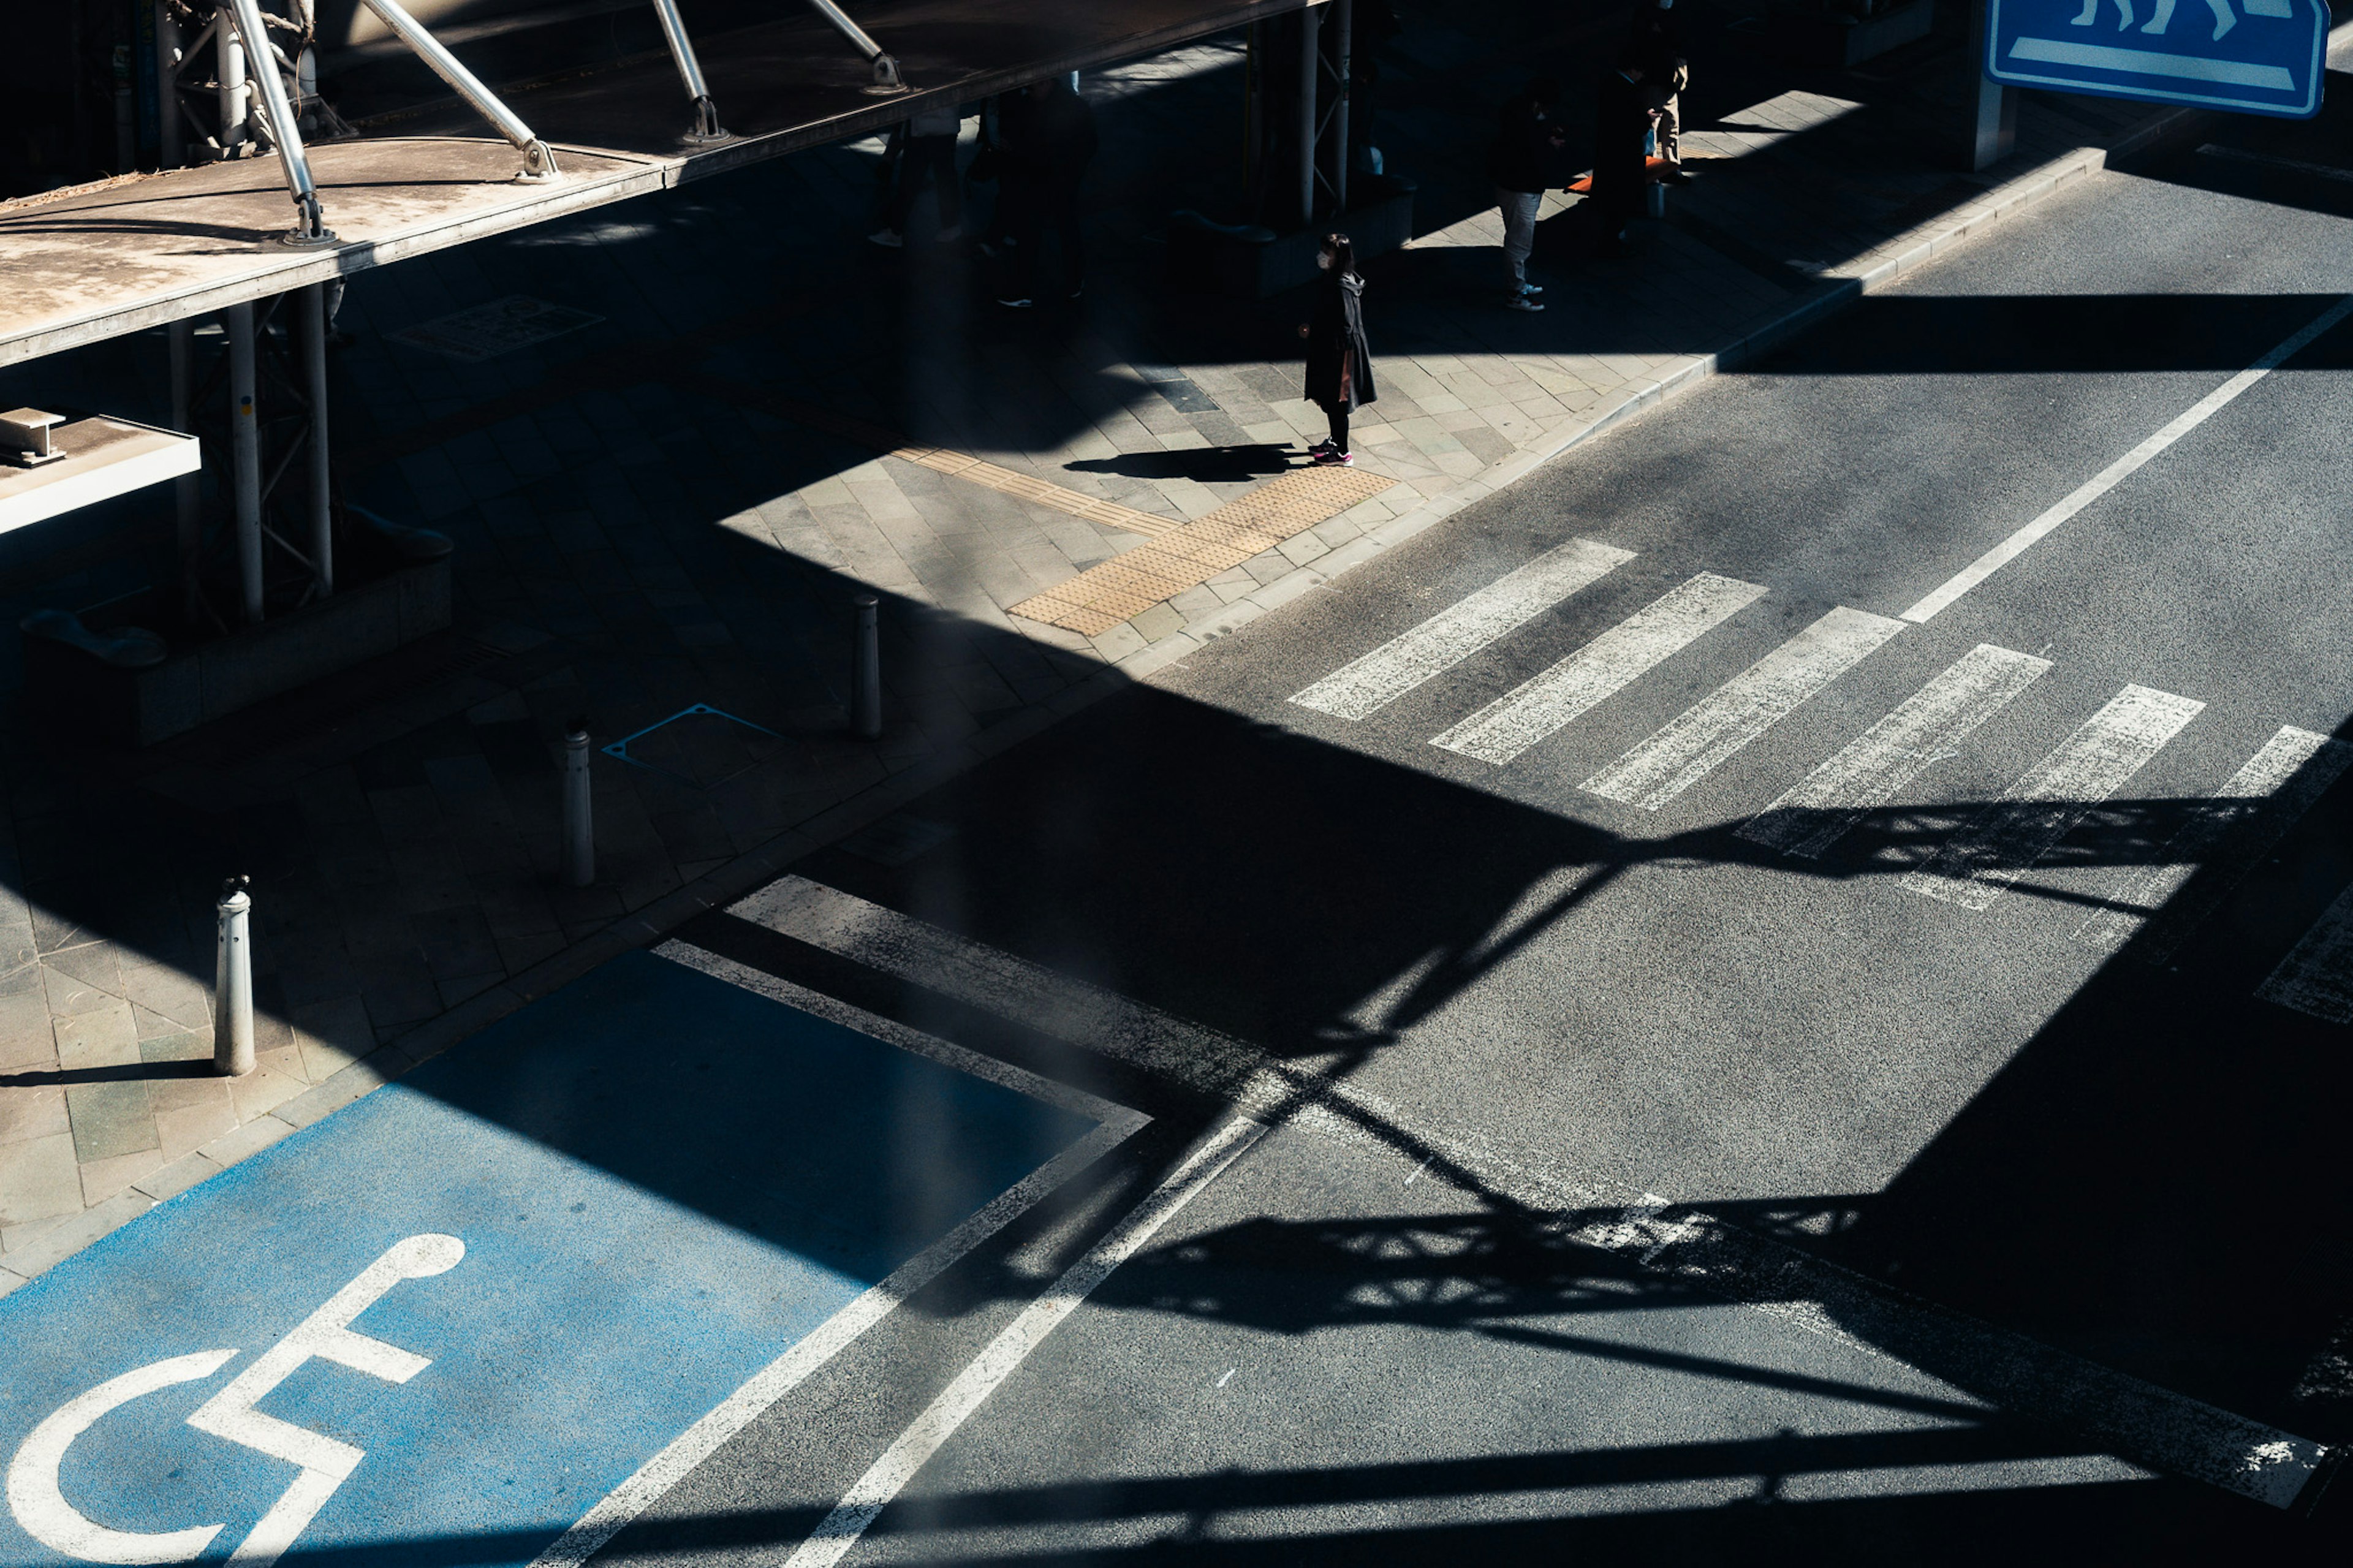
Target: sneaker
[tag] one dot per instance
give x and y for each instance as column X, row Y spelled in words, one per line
column 1328, row 459
column 1074, row 291
column 1020, row 304
column 886, row 237
column 951, row 234
column 1320, row 447
column 1531, row 288
column 1675, row 176
column 1521, row 302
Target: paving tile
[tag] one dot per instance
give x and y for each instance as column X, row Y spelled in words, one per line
column 110, row 1118
column 40, row 1179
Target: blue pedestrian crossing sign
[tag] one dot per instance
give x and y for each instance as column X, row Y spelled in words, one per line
column 2258, row 56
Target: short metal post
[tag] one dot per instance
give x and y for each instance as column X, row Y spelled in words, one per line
column 866, row 670
column 314, row 363
column 184, row 491
column 579, row 830
column 245, row 457
column 234, row 95
column 233, row 981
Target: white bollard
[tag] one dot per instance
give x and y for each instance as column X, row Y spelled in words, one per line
column 233, row 981
column 579, row 828
column 866, row 674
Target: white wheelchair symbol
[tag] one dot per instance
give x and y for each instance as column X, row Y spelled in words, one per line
column 40, row 1506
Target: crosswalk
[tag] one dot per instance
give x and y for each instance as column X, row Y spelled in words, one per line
column 2145, row 911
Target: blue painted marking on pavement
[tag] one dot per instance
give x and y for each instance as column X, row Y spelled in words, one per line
column 661, row 1181
column 2258, row 56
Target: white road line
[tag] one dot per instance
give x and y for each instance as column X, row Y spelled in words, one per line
column 1541, row 707
column 2137, row 1420
column 1864, row 775
column 929, row 1433
column 2263, row 801
column 2115, row 473
column 1980, row 861
column 658, row 1475
column 2316, row 976
column 1683, row 752
column 1357, row 690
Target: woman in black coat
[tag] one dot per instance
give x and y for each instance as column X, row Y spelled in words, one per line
column 1339, row 359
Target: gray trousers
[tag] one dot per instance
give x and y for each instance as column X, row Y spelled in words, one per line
column 1519, row 209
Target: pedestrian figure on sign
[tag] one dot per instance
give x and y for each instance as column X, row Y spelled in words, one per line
column 929, row 156
column 1621, row 173
column 1044, row 166
column 1526, row 140
column 1339, row 359
column 1659, row 41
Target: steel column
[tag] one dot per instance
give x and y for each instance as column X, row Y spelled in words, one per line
column 1344, row 30
column 234, row 97
column 184, row 496
column 1993, row 131
column 314, row 365
column 171, row 139
column 244, row 459
column 1310, row 63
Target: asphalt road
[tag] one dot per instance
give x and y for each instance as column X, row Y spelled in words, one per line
column 1637, row 1185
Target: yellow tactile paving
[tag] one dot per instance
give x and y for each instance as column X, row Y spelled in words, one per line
column 1189, row 554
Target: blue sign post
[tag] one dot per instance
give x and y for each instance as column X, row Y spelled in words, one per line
column 2258, row 56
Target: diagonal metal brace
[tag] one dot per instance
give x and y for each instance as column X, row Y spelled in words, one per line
column 886, row 67
column 538, row 158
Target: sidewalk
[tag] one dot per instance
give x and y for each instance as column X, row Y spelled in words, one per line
column 662, row 514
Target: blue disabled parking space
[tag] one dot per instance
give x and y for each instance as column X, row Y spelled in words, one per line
column 440, row 1325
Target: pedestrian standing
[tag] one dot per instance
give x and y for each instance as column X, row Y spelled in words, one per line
column 1525, row 138
column 929, row 157
column 1339, row 359
column 1658, row 39
column 1620, row 164
column 1057, row 142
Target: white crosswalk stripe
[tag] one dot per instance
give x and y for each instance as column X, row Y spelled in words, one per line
column 1817, row 812
column 1982, row 860
column 1687, row 749
column 2261, row 801
column 1543, row 706
column 2316, row 976
column 1359, row 688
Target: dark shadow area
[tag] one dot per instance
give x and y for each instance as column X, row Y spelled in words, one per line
column 2100, row 1194
column 2060, row 334
column 1206, row 464
column 2282, row 162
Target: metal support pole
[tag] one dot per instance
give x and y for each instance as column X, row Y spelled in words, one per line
column 866, row 670
column 690, row 71
column 1344, row 30
column 233, row 981
column 538, row 159
column 886, row 69
column 309, row 228
column 1310, row 63
column 184, row 496
column 245, row 457
column 1993, row 130
column 171, row 139
column 233, row 98
column 314, row 364
column 580, row 826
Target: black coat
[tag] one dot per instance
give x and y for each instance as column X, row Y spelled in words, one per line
column 1339, row 359
column 1522, row 147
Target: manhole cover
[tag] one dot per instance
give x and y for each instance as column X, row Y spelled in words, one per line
column 701, row 746
column 503, row 325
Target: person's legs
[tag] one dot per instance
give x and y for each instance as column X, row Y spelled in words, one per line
column 1519, row 210
column 939, row 155
column 1338, row 416
column 1024, row 230
column 1671, row 145
column 915, row 168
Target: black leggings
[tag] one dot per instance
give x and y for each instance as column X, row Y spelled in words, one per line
column 1338, row 412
